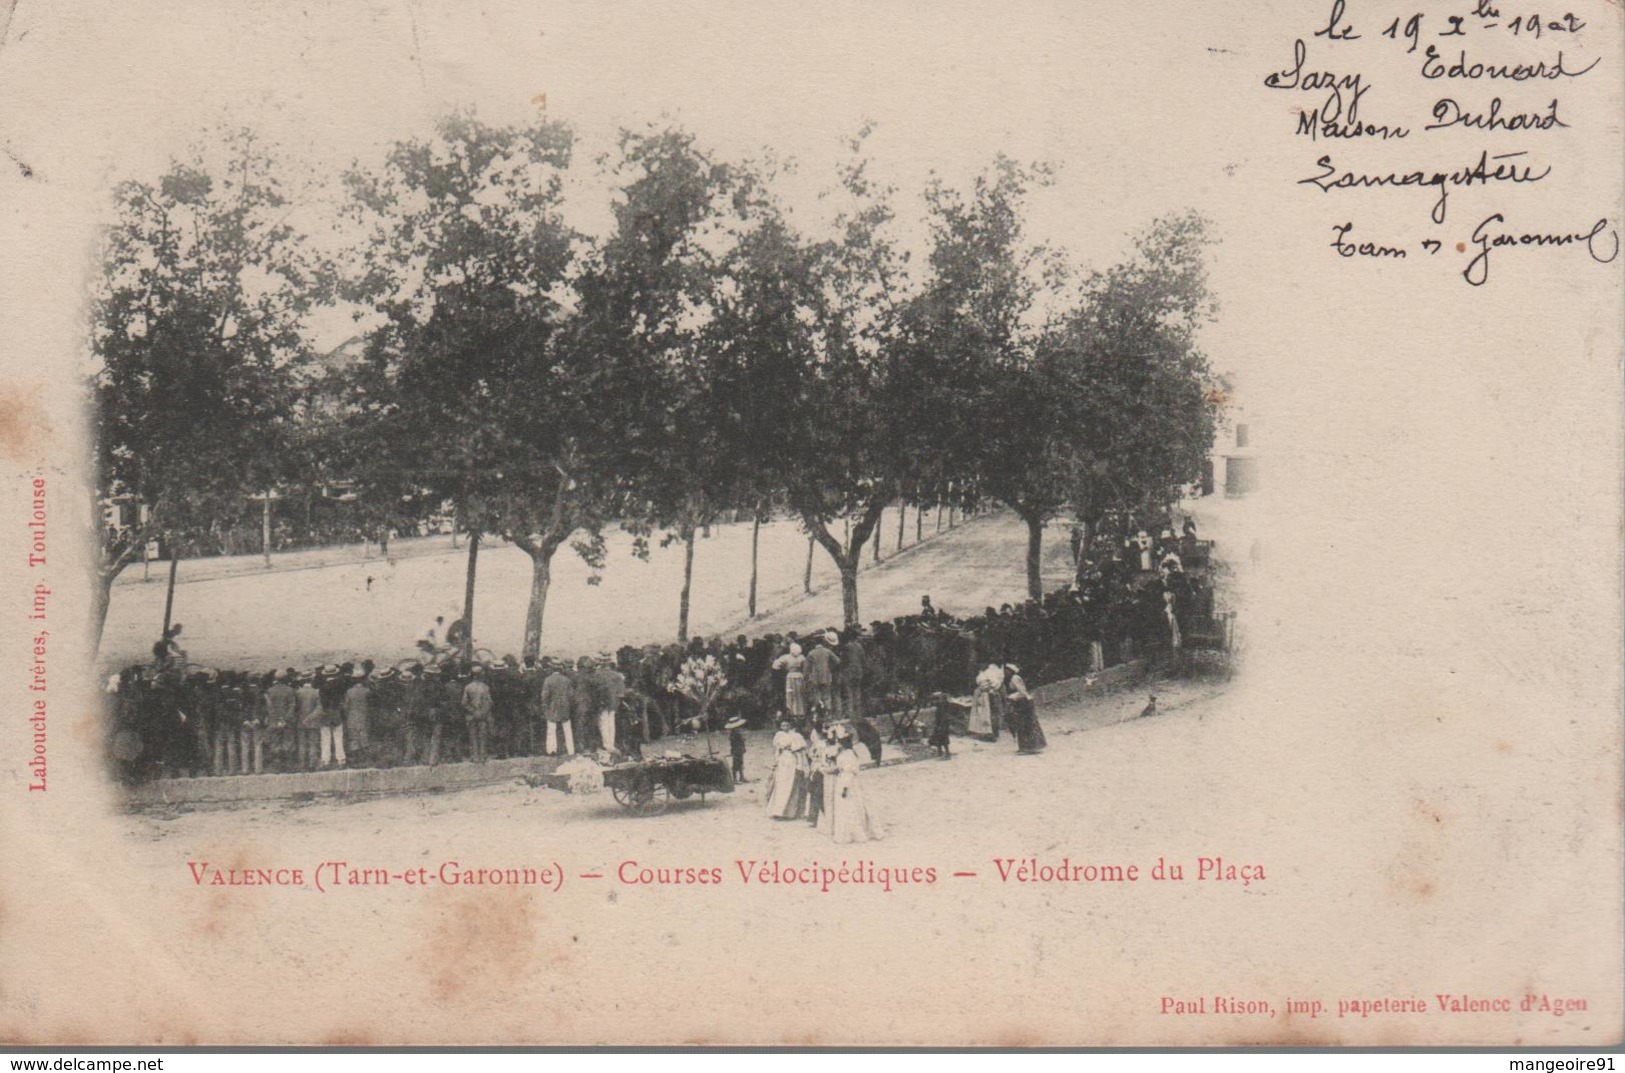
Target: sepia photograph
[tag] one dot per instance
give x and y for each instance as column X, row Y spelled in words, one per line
column 767, row 525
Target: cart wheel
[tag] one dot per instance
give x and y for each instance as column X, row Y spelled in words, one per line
column 649, row 800
column 622, row 795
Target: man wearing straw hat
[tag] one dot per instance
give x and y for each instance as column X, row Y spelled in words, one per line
column 607, row 685
column 558, row 702
column 477, row 710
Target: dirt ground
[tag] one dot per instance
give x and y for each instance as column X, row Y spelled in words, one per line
column 602, row 959
column 303, row 616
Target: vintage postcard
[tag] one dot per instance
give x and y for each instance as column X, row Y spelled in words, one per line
column 967, row 524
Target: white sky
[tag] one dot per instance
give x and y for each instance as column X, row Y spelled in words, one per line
column 115, row 89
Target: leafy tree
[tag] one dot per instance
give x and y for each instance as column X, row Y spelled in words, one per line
column 197, row 329
column 1130, row 360
column 759, row 343
column 997, row 420
column 647, row 302
column 846, row 419
column 475, row 387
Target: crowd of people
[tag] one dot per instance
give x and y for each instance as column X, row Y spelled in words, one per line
column 1133, row 595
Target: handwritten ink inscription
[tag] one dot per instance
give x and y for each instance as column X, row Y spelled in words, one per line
column 1385, row 92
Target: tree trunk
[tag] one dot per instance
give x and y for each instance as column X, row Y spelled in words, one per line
column 1076, row 539
column 468, row 593
column 806, row 581
column 849, row 589
column 1085, row 542
column 169, row 596
column 902, row 516
column 919, row 523
column 939, row 517
column 265, row 528
column 849, row 555
column 688, row 584
column 1035, row 555
column 755, row 544
column 877, row 543
column 541, row 577
column 101, row 597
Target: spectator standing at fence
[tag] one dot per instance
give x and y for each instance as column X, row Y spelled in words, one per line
column 409, row 713
column 854, row 665
column 583, row 712
column 794, row 666
column 334, row 747
column 432, row 713
column 477, row 711
column 310, row 724
column 558, row 704
column 282, row 721
column 607, row 686
column 357, row 706
column 822, row 663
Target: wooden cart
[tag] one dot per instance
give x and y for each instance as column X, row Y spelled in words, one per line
column 646, row 787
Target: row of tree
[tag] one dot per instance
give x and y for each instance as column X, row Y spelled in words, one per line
column 705, row 356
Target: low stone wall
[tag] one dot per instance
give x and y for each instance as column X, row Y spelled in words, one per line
column 343, row 781
column 1112, row 678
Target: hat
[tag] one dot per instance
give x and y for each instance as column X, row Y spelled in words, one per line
column 358, row 673
column 832, row 637
column 606, row 657
column 1012, row 668
column 478, row 668
column 330, row 668
column 408, row 676
column 733, row 724
column 384, row 675
column 278, row 675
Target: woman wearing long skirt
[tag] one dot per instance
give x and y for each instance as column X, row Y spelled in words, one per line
column 794, row 666
column 787, row 785
column 985, row 702
column 821, row 752
column 850, row 819
column 1023, row 716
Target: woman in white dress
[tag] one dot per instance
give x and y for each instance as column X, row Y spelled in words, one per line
column 850, row 819
column 787, row 785
column 988, row 684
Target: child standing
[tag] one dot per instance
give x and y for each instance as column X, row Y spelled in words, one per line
column 736, row 746
column 940, row 725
